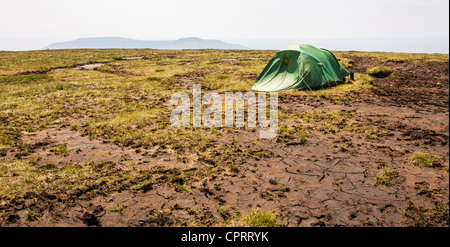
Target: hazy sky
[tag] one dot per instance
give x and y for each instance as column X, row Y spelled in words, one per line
column 32, row 24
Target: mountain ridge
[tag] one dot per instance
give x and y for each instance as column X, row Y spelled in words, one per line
column 120, row 42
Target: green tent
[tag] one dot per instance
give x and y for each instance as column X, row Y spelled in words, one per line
column 299, row 67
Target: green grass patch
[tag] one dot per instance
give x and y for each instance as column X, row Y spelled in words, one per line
column 17, row 79
column 300, row 133
column 234, row 168
column 423, row 159
column 60, row 150
column 385, row 176
column 259, row 218
column 154, row 79
column 74, row 127
column 20, row 178
column 379, row 72
column 119, row 209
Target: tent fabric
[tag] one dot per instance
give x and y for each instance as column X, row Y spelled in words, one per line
column 300, row 67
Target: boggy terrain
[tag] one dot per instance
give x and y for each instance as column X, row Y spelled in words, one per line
column 85, row 140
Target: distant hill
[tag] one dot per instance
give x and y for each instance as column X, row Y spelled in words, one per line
column 117, row 42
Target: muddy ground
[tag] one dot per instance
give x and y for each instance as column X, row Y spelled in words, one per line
column 327, row 181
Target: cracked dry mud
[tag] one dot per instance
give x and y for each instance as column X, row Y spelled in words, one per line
column 312, row 184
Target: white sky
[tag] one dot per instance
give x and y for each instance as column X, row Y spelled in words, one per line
column 28, row 24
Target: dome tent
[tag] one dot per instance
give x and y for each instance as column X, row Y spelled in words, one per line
column 299, row 67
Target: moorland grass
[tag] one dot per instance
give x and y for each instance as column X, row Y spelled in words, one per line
column 126, row 103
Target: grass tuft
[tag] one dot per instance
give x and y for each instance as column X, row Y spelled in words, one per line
column 423, row 159
column 380, row 72
column 259, row 218
column 385, row 176
column 61, row 150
